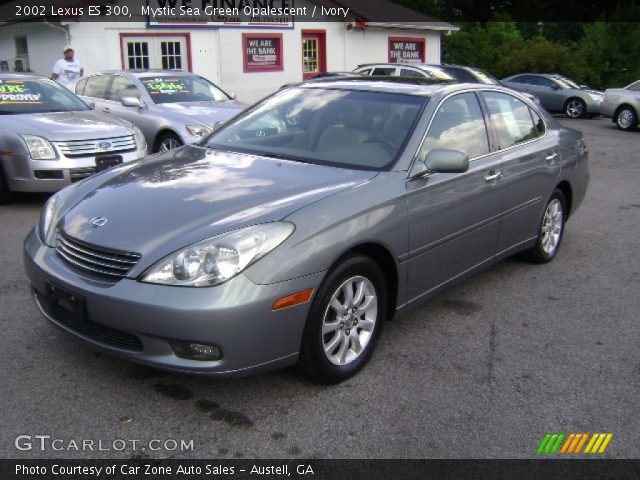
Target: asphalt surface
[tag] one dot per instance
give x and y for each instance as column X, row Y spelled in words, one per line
column 484, row 370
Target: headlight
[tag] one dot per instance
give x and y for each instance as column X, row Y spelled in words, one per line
column 216, row 260
column 46, row 217
column 39, row 148
column 197, row 130
column 597, row 98
column 140, row 140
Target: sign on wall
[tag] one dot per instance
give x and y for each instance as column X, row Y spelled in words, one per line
column 407, row 50
column 262, row 52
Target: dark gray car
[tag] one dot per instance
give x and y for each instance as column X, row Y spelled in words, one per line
column 558, row 94
column 295, row 231
column 171, row 108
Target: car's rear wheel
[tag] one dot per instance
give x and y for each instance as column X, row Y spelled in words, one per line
column 626, row 118
column 575, row 108
column 167, row 141
column 6, row 195
column 550, row 230
column 345, row 321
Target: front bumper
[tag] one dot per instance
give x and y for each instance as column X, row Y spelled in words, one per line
column 236, row 316
column 27, row 175
column 608, row 108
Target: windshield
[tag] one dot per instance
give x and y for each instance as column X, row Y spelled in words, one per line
column 181, row 88
column 36, row 96
column 437, row 73
column 345, row 128
column 485, row 77
column 566, row 83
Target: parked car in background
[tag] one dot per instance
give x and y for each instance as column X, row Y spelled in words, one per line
column 623, row 105
column 171, row 108
column 50, row 138
column 419, row 70
column 558, row 93
column 300, row 226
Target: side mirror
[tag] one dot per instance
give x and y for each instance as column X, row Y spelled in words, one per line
column 446, row 160
column 91, row 104
column 233, row 95
column 555, row 87
column 585, row 87
column 131, row 102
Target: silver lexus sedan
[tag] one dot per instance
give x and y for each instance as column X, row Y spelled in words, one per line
column 171, row 108
column 296, row 230
column 50, row 138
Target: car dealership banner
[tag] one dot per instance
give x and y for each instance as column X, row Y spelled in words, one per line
column 407, row 50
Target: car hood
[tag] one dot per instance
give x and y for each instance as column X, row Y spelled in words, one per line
column 208, row 113
column 171, row 200
column 62, row 126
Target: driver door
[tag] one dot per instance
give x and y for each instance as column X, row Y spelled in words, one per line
column 453, row 217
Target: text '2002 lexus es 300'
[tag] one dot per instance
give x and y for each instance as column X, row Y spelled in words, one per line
column 294, row 231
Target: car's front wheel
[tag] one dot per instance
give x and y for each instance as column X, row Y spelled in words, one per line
column 626, row 118
column 550, row 230
column 345, row 321
column 6, row 195
column 166, row 142
column 575, row 108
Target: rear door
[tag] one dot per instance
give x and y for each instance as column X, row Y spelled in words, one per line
column 530, row 166
column 453, row 217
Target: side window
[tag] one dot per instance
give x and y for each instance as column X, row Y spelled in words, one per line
column 525, row 79
column 511, row 119
column 365, row 71
column 634, row 86
column 384, row 71
column 406, row 72
column 80, row 86
column 122, row 87
column 458, row 124
column 545, row 82
column 96, row 86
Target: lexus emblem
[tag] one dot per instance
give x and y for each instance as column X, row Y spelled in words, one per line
column 104, row 145
column 97, row 222
column 261, row 133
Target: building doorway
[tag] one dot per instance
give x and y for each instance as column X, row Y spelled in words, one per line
column 314, row 53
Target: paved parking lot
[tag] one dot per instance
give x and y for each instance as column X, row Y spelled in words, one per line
column 484, row 370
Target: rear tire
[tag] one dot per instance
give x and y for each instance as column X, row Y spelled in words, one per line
column 550, row 230
column 345, row 321
column 626, row 118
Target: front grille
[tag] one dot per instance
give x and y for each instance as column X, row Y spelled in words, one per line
column 95, row 260
column 95, row 331
column 78, row 174
column 83, row 148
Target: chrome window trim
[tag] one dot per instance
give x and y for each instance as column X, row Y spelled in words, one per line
column 479, row 90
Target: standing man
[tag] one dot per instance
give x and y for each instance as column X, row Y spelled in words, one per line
column 67, row 70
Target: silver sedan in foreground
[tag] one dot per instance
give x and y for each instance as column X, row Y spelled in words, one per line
column 293, row 233
column 622, row 105
column 50, row 138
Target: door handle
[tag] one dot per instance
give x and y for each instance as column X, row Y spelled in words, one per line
column 106, row 110
column 493, row 176
column 550, row 158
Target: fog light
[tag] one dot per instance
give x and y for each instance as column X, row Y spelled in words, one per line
column 196, row 351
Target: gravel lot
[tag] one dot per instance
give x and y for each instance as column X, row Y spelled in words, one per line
column 483, row 371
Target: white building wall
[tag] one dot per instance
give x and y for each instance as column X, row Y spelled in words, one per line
column 44, row 44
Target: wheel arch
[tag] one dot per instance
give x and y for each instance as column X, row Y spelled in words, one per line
column 164, row 131
column 565, row 187
column 623, row 105
column 385, row 260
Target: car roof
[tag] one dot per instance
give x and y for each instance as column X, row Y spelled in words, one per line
column 393, row 85
column 21, row 76
column 394, row 65
column 146, row 73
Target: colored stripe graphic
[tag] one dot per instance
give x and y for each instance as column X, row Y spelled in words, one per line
column 572, row 443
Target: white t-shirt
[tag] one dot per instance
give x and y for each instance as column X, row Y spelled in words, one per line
column 68, row 72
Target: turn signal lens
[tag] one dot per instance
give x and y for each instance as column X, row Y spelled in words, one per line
column 292, row 300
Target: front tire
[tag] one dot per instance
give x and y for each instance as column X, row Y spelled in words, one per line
column 345, row 321
column 575, row 108
column 6, row 195
column 167, row 141
column 550, row 230
column 626, row 118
